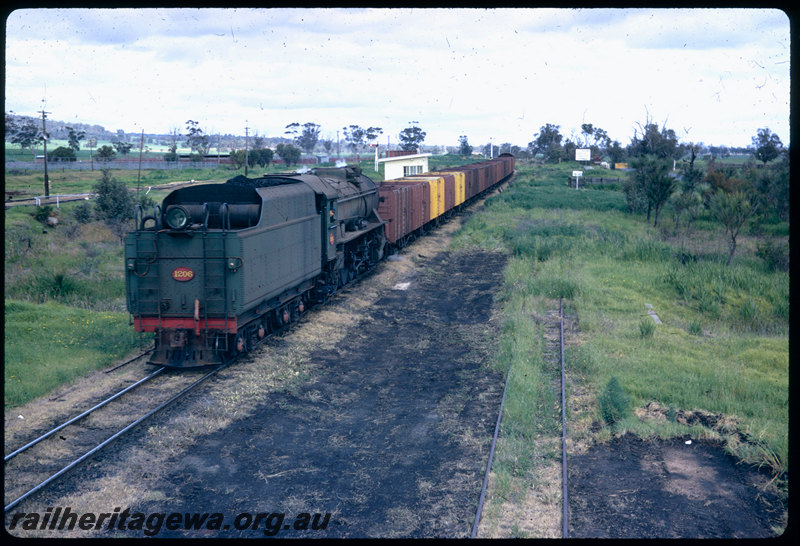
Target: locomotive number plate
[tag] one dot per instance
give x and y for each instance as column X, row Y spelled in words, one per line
column 182, row 274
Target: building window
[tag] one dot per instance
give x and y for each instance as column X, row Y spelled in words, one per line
column 412, row 169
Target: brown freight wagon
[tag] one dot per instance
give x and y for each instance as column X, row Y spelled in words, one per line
column 404, row 205
column 432, row 195
column 470, row 180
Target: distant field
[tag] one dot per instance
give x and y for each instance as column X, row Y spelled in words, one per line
column 14, row 153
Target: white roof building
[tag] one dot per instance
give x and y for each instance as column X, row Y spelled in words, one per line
column 404, row 165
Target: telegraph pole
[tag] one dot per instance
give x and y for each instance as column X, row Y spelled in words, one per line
column 246, row 152
column 44, row 141
column 139, row 176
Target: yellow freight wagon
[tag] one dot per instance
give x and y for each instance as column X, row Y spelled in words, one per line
column 437, row 194
column 461, row 188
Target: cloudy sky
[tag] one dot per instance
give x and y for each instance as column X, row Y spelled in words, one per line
column 714, row 76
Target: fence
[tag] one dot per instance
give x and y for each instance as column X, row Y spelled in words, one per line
column 126, row 164
column 133, row 164
column 63, row 198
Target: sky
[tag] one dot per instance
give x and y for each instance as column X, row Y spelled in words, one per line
column 714, row 76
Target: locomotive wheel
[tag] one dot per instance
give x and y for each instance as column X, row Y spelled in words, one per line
column 345, row 276
column 240, row 345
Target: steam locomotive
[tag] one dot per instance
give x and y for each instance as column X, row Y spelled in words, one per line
column 218, row 267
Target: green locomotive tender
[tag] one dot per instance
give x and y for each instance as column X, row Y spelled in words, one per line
column 217, row 267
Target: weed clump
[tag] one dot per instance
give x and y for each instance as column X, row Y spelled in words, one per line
column 647, row 328
column 615, row 404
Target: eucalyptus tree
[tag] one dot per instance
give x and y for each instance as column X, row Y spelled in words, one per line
column 768, row 145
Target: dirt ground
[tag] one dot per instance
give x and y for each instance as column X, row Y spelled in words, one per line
column 632, row 488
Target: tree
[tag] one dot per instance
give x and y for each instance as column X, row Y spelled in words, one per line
column 196, row 139
column 463, row 146
column 357, row 137
column 327, row 145
column 595, row 138
column 772, row 189
column 172, row 154
column 261, row 157
column 411, row 138
column 74, row 137
column 237, row 158
column 616, row 152
column 308, row 137
column 547, row 142
column 114, row 203
column 11, row 124
column 123, row 148
column 27, row 135
column 651, row 179
column 62, row 153
column 354, row 136
column 568, row 150
column 649, row 140
column 290, row 154
column 732, row 210
column 768, row 146
column 105, row 153
column 371, row 133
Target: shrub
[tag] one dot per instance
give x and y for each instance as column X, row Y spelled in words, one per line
column 41, row 214
column 647, row 327
column 695, row 328
column 776, row 258
column 114, row 202
column 82, row 213
column 615, row 405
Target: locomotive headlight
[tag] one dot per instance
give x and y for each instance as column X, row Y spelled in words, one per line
column 177, row 218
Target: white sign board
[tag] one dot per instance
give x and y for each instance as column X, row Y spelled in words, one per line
column 583, row 154
column 577, row 173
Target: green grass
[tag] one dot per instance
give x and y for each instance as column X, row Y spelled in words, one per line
column 65, row 302
column 73, row 264
column 723, row 344
column 47, row 345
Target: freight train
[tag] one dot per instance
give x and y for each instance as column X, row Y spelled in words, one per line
column 218, row 267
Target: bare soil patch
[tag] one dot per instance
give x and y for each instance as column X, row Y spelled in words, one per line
column 634, row 488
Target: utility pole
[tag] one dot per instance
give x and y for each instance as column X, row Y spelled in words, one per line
column 139, row 176
column 246, row 152
column 44, row 141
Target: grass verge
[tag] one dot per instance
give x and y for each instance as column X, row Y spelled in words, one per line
column 50, row 344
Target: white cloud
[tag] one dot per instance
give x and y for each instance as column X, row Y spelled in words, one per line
column 498, row 74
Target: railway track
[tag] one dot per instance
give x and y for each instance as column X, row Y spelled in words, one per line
column 564, row 473
column 42, row 460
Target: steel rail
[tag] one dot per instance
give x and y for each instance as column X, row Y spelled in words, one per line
column 564, row 497
column 82, row 415
column 118, row 366
column 491, row 456
column 97, row 448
